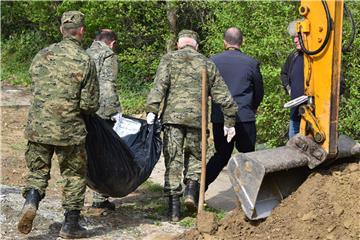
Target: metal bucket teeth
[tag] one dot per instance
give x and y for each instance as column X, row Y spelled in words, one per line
column 262, row 179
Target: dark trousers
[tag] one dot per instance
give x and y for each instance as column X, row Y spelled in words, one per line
column 244, row 141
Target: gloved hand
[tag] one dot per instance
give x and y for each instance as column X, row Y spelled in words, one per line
column 229, row 132
column 150, row 118
column 288, row 89
column 117, row 117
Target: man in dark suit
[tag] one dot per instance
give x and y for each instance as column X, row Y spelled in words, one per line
column 241, row 74
column 292, row 78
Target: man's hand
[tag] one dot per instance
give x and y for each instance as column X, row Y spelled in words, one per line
column 117, row 117
column 150, row 118
column 229, row 132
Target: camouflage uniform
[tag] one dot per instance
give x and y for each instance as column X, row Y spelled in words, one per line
column 107, row 69
column 178, row 84
column 65, row 86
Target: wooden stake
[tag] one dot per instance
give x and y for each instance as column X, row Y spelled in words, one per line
column 203, row 138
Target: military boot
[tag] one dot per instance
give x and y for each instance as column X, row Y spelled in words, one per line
column 174, row 208
column 104, row 205
column 28, row 211
column 191, row 195
column 71, row 227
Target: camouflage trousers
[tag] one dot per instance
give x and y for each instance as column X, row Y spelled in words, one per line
column 99, row 198
column 182, row 154
column 72, row 163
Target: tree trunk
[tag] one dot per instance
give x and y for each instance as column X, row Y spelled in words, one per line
column 171, row 9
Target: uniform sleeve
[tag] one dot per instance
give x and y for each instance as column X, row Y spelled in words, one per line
column 89, row 100
column 258, row 87
column 220, row 95
column 161, row 86
column 108, row 94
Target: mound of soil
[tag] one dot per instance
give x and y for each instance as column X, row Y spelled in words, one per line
column 326, row 206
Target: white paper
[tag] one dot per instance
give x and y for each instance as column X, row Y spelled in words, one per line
column 126, row 127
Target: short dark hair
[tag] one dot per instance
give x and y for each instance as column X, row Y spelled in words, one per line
column 233, row 36
column 107, row 36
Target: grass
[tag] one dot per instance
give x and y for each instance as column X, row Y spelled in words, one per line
column 18, row 146
column 189, row 221
column 15, row 73
column 151, row 204
column 151, row 187
column 154, row 206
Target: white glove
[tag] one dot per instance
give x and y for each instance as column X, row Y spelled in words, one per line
column 230, row 132
column 117, row 117
column 288, row 89
column 150, row 118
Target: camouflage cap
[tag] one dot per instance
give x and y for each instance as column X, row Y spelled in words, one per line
column 72, row 19
column 189, row 33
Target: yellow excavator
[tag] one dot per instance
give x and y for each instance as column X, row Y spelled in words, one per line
column 261, row 179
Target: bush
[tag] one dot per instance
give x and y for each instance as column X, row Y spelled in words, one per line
column 263, row 25
column 142, row 29
column 17, row 53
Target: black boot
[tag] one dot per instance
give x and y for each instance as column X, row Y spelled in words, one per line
column 28, row 211
column 104, row 205
column 174, row 208
column 71, row 227
column 191, row 195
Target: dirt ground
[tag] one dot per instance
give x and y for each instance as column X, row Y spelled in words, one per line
column 140, row 215
column 326, row 206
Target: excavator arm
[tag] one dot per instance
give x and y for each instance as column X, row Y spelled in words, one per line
column 262, row 179
column 322, row 43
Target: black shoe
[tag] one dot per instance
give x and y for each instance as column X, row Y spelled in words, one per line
column 174, row 208
column 105, row 204
column 28, row 211
column 191, row 195
column 71, row 227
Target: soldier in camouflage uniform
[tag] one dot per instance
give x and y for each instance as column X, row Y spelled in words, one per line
column 101, row 51
column 65, row 87
column 178, row 85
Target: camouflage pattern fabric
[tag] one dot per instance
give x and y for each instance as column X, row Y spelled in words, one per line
column 178, row 84
column 99, row 198
column 189, row 33
column 72, row 163
column 64, row 85
column 72, row 19
column 107, row 69
column 182, row 154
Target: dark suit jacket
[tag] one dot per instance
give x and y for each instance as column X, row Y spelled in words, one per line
column 292, row 74
column 241, row 74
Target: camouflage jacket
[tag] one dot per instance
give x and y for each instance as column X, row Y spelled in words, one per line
column 64, row 86
column 178, row 84
column 107, row 69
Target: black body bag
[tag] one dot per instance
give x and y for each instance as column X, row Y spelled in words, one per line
column 118, row 165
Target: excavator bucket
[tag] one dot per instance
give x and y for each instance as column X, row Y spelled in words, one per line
column 262, row 179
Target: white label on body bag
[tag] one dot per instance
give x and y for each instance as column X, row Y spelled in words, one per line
column 126, row 127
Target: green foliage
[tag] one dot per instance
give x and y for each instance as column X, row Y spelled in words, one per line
column 349, row 106
column 142, row 28
column 17, row 52
column 188, row 222
column 151, row 186
column 265, row 38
